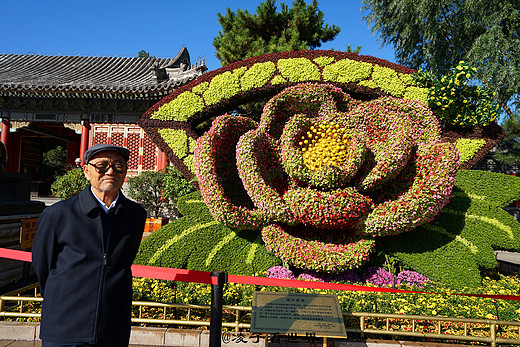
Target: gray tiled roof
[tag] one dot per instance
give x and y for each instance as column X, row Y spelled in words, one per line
column 79, row 74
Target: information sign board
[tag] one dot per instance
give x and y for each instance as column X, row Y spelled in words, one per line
column 297, row 313
column 28, row 232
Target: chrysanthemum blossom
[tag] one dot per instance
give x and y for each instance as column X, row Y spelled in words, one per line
column 322, row 174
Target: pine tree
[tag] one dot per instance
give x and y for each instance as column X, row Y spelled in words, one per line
column 246, row 35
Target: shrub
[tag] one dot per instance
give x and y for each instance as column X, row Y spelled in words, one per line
column 54, row 160
column 461, row 240
column 70, row 184
column 458, row 103
column 158, row 191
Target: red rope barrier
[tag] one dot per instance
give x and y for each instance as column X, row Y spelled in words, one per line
column 183, row 275
column 15, row 255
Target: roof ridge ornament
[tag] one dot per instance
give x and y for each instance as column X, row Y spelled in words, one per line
column 159, row 73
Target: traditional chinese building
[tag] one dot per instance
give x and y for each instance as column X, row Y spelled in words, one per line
column 76, row 102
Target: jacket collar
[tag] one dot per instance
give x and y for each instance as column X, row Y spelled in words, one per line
column 89, row 203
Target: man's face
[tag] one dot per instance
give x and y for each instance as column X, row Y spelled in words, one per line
column 110, row 181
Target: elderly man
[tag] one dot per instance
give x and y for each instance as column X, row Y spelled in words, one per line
column 82, row 253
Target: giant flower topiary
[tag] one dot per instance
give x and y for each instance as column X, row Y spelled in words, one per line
column 287, row 193
column 323, row 174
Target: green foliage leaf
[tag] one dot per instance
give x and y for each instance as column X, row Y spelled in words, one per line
column 435, row 35
column 460, row 241
column 468, row 148
column 298, row 70
column 388, row 80
column 258, row 75
column 55, row 159
column 346, row 71
column 158, row 190
column 197, row 242
column 224, row 86
column 508, row 151
column 181, row 108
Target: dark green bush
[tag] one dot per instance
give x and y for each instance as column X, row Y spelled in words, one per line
column 55, row 159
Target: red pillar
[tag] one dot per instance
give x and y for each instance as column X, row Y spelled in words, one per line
column 4, row 135
column 85, row 132
column 162, row 161
column 72, row 152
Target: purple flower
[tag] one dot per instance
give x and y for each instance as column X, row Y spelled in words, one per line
column 411, row 278
column 374, row 275
column 379, row 277
column 280, row 272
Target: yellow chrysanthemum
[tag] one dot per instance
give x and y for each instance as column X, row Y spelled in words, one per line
column 325, row 144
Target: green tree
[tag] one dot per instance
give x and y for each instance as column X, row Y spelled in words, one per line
column 158, row 191
column 436, row 34
column 175, row 185
column 508, row 151
column 143, row 54
column 357, row 50
column 56, row 159
column 246, row 35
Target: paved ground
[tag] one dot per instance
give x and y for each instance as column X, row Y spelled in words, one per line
column 10, row 343
column 19, row 334
column 369, row 343
column 47, row 200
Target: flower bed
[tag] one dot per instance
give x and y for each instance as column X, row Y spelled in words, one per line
column 190, row 108
column 441, row 304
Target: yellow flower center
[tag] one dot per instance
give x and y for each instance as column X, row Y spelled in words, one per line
column 324, row 144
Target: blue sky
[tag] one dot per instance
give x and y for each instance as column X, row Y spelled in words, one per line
column 123, row 28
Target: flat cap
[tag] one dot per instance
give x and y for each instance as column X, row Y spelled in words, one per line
column 104, row 148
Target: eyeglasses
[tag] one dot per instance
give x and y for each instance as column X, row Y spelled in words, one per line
column 103, row 166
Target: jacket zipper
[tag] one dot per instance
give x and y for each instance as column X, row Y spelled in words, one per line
column 102, row 277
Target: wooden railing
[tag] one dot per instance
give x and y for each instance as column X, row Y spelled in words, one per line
column 20, row 305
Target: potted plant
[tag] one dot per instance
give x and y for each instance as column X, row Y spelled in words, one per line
column 158, row 192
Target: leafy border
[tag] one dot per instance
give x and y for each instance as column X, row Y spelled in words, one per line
column 285, row 74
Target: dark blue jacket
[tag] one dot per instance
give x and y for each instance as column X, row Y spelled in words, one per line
column 87, row 292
